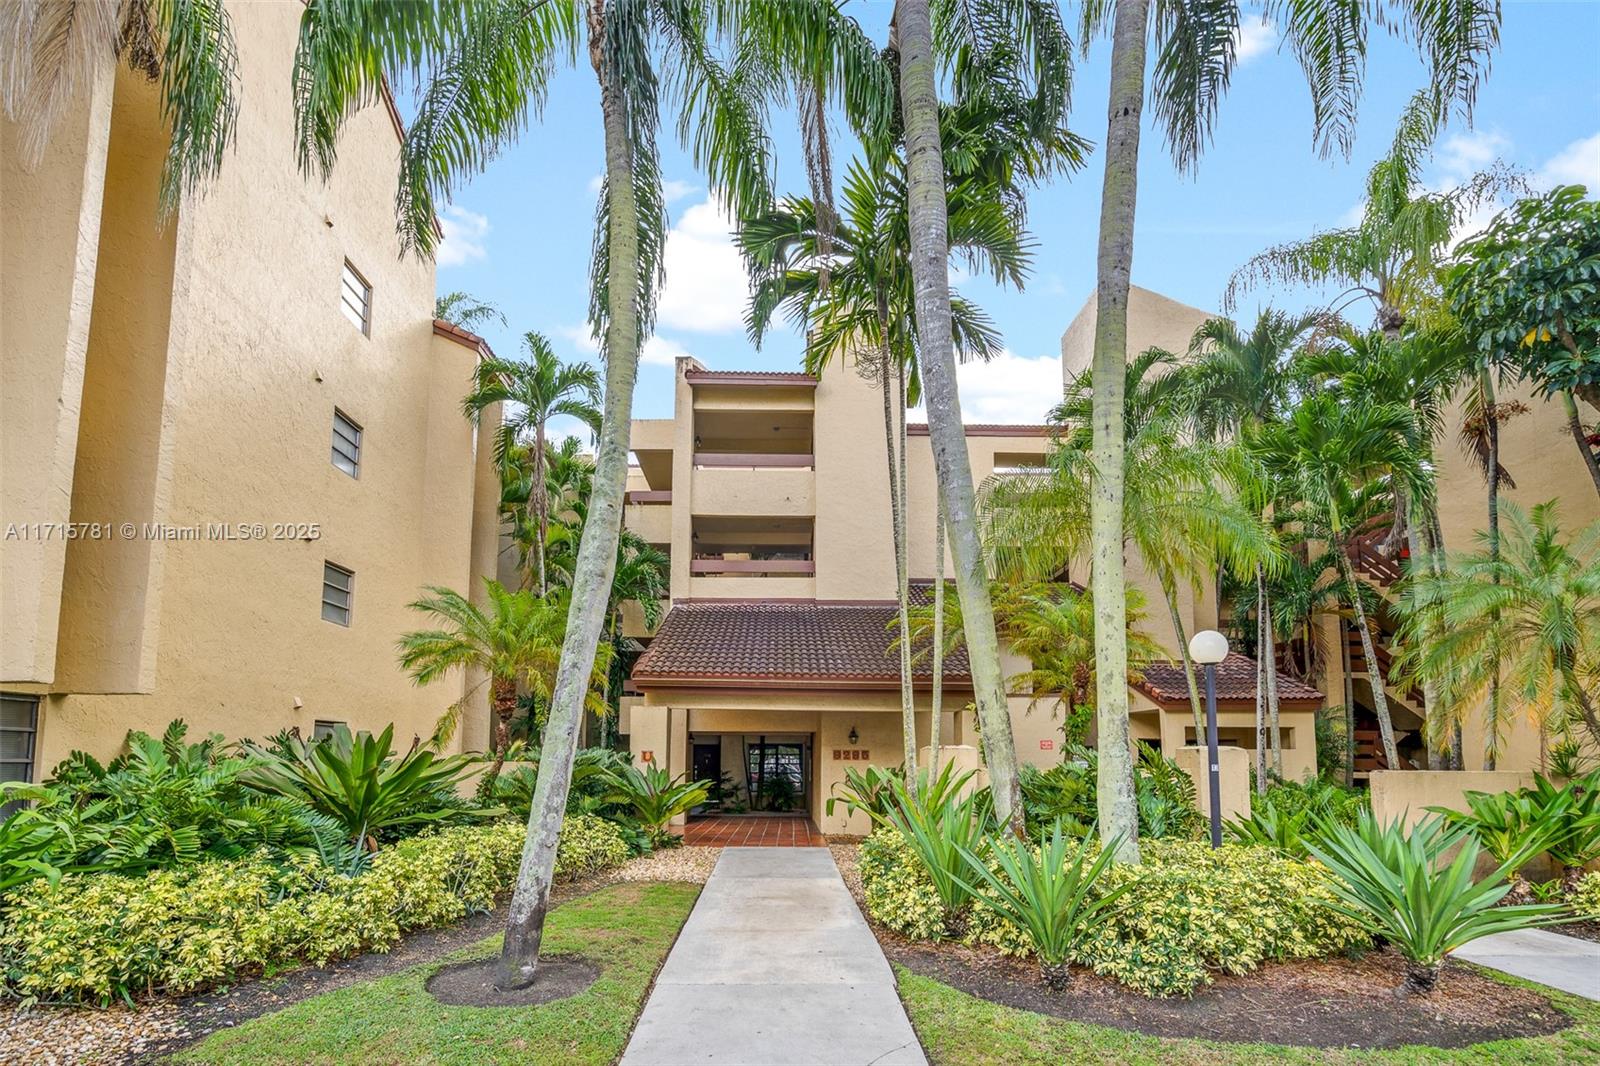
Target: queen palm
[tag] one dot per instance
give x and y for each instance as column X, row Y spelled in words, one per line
column 1325, row 452
column 1392, row 256
column 1195, row 46
column 1186, row 500
column 1528, row 613
column 515, row 641
column 532, row 391
column 845, row 279
column 50, row 52
column 465, row 310
column 482, row 68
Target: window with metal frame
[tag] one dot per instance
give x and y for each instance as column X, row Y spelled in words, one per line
column 323, row 729
column 346, row 443
column 19, row 726
column 338, row 593
column 355, row 298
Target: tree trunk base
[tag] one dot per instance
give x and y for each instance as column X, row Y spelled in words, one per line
column 1421, row 978
column 1057, row 976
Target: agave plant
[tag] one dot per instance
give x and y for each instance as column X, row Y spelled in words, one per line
column 655, row 797
column 357, row 780
column 941, row 828
column 1050, row 893
column 1397, row 885
column 1577, row 842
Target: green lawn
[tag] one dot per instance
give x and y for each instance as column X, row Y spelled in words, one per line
column 626, row 930
column 961, row 1030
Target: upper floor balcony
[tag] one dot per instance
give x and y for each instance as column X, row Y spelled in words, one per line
column 752, row 557
column 754, row 462
column 648, row 512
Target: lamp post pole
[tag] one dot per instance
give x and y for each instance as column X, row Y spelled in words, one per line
column 1211, row 755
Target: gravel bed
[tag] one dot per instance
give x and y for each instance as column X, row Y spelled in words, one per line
column 66, row 1036
column 847, row 858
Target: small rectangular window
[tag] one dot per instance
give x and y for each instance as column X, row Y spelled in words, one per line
column 355, row 298
column 19, row 725
column 338, row 593
column 346, row 444
column 322, row 730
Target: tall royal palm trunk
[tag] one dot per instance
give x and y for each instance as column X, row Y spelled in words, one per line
column 936, row 698
column 1118, row 809
column 1269, row 674
column 1169, row 592
column 1491, row 731
column 897, row 519
column 541, row 501
column 930, row 268
column 1380, row 699
column 597, row 549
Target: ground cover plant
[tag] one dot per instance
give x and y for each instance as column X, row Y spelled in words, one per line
column 624, row 930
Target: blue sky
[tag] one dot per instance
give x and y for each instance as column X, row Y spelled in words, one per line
column 519, row 234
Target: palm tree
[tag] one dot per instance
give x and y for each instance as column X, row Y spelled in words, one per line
column 1528, row 613
column 1325, row 452
column 1053, row 628
column 1393, row 255
column 50, row 52
column 516, row 641
column 1010, row 59
column 1195, row 52
column 533, row 391
column 465, row 310
column 1185, row 502
column 847, row 281
column 481, row 69
column 641, row 577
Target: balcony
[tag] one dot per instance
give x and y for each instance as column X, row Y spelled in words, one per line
column 649, row 514
column 767, row 557
column 732, row 484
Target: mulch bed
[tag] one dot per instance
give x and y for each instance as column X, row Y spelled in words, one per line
column 1581, row 930
column 1326, row 1003
column 471, row 984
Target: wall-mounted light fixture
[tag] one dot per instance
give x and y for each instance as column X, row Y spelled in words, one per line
column 854, row 736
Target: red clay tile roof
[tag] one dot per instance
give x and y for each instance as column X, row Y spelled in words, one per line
column 463, row 337
column 747, row 377
column 1236, row 682
column 782, row 643
column 988, row 429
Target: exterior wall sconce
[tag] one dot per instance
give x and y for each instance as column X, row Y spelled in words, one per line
column 854, row 736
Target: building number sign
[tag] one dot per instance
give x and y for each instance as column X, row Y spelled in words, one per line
column 851, row 755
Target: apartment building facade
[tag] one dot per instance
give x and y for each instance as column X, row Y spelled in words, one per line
column 233, row 445
column 770, row 494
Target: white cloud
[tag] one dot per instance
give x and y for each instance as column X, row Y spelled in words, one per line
column 1462, row 155
column 464, row 233
column 596, row 183
column 677, row 190
column 1255, row 37
column 705, row 290
column 1008, row 388
column 1576, row 164
column 657, row 351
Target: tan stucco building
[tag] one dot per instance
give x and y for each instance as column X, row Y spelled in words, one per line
column 770, row 493
column 232, row 443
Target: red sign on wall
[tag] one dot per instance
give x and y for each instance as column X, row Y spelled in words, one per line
column 1047, row 745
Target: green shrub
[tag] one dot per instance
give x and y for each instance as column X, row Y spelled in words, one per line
column 1397, row 885
column 654, row 797
column 944, row 832
column 1187, row 911
column 1067, row 793
column 104, row 936
column 1584, row 899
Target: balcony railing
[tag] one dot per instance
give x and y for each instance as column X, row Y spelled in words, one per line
column 756, row 567
column 649, row 496
column 754, row 459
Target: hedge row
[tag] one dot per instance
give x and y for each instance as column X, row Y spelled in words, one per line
column 1191, row 911
column 104, row 936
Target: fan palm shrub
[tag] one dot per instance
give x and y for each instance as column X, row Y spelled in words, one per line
column 1399, row 886
column 359, row 781
column 655, row 797
column 1050, row 891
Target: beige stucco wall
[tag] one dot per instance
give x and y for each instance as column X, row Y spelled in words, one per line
column 1406, row 795
column 228, row 633
column 1154, row 321
column 1233, row 779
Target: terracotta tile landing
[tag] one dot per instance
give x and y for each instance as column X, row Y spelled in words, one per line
column 754, row 831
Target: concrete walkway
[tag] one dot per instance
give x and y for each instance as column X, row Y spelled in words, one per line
column 1563, row 962
column 775, row 966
